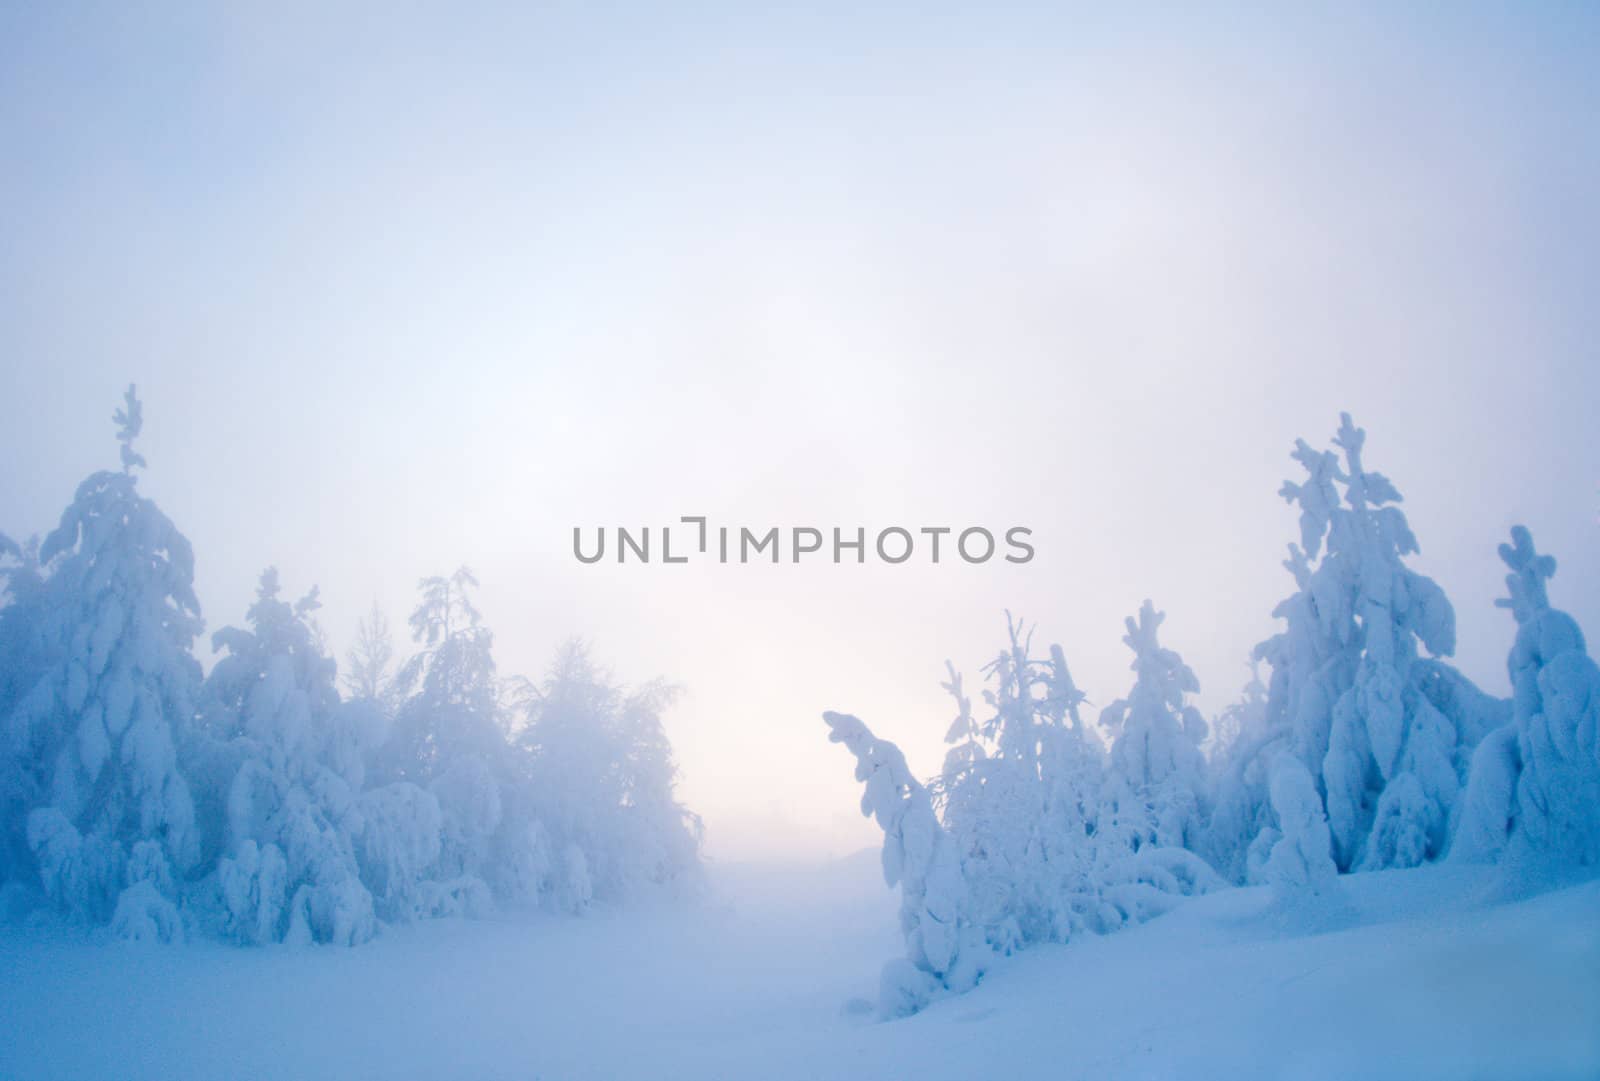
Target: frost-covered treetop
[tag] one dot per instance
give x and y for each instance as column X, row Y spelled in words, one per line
column 1160, row 672
column 1362, row 572
column 964, row 728
column 1372, row 518
column 1316, row 495
column 445, row 608
column 1529, row 573
column 276, row 626
column 1363, row 488
column 108, row 519
column 1062, row 697
column 130, row 422
column 1013, row 725
column 455, row 664
column 1368, row 496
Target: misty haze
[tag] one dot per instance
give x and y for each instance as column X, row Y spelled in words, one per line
column 735, row 543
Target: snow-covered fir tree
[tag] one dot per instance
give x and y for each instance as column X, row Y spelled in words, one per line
column 24, row 657
column 1300, row 867
column 109, row 819
column 600, row 784
column 1025, row 837
column 944, row 950
column 448, row 738
column 1019, row 793
column 450, row 691
column 1385, row 732
column 1155, row 757
column 260, row 806
column 991, row 800
column 1243, row 745
column 1534, row 789
column 290, row 805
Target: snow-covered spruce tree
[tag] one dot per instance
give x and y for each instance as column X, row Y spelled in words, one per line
column 24, row 657
column 943, row 949
column 449, row 691
column 1152, row 802
column 110, row 820
column 1534, row 789
column 600, row 786
column 1385, row 733
column 1071, row 761
column 980, row 799
column 448, row 739
column 1300, row 868
column 1019, row 794
column 1156, row 756
column 1243, row 745
column 1024, row 838
column 991, row 801
column 289, row 803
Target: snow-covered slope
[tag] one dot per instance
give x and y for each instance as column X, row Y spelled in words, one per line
column 1432, row 976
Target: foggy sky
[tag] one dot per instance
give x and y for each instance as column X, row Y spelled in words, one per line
column 410, row 288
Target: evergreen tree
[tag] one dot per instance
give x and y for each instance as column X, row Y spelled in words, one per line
column 1156, row 755
column 1385, row 732
column 95, row 736
column 1300, row 869
column 1534, row 790
column 449, row 690
column 943, row 949
column 291, row 804
column 1025, row 837
column 449, row 738
column 1240, row 769
column 600, row 782
column 1019, row 795
column 25, row 654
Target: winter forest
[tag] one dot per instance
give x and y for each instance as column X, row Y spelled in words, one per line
column 284, row 797
column 275, row 799
column 1356, row 748
column 747, row 542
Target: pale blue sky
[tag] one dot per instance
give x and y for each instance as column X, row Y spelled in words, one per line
column 405, row 288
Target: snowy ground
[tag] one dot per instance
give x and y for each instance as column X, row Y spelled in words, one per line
column 759, row 982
